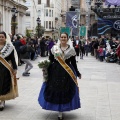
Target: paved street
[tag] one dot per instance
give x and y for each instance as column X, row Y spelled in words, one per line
column 99, row 92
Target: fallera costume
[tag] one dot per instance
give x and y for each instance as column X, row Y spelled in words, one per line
column 8, row 85
column 60, row 92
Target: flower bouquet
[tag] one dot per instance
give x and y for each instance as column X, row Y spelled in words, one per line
column 44, row 66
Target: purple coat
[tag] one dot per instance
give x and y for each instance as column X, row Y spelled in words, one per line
column 51, row 43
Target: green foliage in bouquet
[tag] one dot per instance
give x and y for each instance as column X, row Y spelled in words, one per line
column 44, row 64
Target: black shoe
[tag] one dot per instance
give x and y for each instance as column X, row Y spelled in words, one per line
column 2, row 108
column 60, row 118
column 25, row 74
column 19, row 64
column 28, row 73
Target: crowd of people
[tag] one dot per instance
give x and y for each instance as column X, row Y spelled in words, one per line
column 61, row 91
column 103, row 48
column 106, row 49
column 30, row 48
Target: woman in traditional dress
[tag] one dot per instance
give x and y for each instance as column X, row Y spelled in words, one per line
column 8, row 70
column 61, row 92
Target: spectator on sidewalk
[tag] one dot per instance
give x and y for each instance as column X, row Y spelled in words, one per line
column 25, row 57
column 82, row 49
column 43, row 47
column 96, row 45
column 86, row 47
column 101, row 53
column 77, row 44
column 50, row 45
column 17, row 43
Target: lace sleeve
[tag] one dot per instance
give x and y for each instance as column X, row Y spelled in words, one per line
column 13, row 60
column 51, row 57
column 73, row 62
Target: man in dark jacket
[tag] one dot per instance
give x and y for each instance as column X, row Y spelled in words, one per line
column 77, row 45
column 43, row 47
column 25, row 57
column 17, row 43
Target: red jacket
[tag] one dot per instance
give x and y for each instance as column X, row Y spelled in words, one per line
column 23, row 41
column 118, row 51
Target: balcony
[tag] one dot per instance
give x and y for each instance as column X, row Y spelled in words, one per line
column 75, row 3
column 50, row 6
column 84, row 12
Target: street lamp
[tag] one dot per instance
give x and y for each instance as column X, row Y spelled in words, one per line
column 14, row 15
column 39, row 23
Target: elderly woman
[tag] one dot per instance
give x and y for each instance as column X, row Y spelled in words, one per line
column 8, row 70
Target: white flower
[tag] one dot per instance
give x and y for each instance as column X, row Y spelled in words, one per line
column 42, row 61
column 56, row 49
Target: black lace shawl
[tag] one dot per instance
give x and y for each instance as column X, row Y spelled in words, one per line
column 5, row 78
column 60, row 88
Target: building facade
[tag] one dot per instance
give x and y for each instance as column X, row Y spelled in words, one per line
column 108, row 18
column 31, row 16
column 87, row 16
column 7, row 21
column 66, row 4
column 49, row 13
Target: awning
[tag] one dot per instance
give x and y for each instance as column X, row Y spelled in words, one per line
column 112, row 2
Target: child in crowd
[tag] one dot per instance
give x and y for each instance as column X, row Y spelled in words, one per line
column 101, row 53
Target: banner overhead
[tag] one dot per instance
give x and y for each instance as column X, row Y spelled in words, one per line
column 108, row 26
column 82, row 31
column 113, row 2
column 72, row 21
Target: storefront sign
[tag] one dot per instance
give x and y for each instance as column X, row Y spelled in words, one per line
column 106, row 26
column 111, row 17
column 112, row 2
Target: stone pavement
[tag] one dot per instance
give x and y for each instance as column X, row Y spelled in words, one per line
column 99, row 93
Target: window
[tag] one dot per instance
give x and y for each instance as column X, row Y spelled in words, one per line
column 27, row 24
column 49, row 13
column 39, row 12
column 28, row 13
column 39, row 1
column 46, row 12
column 52, row 24
column 48, row 3
column 52, row 13
column 46, row 24
column 49, row 24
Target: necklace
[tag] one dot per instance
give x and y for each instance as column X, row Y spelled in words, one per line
column 64, row 48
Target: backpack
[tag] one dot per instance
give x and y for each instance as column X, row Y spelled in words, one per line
column 23, row 49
